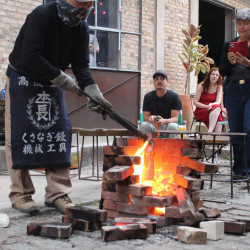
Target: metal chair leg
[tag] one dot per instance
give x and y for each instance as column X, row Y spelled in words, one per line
column 245, row 161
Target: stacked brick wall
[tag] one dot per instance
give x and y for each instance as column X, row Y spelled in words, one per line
column 12, row 15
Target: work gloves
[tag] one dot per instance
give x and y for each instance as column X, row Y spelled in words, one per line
column 66, row 82
column 93, row 91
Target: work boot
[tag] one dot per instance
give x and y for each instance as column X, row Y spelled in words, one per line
column 26, row 205
column 61, row 203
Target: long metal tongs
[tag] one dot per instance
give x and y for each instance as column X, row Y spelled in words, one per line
column 122, row 121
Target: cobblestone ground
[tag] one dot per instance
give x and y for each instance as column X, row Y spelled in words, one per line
column 15, row 236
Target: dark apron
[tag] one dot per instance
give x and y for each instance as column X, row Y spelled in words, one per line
column 41, row 131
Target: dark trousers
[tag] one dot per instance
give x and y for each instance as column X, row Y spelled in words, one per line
column 238, row 108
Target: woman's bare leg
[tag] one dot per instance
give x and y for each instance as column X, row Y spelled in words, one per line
column 213, row 117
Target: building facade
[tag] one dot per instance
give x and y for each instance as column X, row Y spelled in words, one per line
column 138, row 35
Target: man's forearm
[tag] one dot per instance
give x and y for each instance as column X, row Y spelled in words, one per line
column 171, row 120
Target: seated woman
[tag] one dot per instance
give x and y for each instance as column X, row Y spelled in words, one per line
column 208, row 99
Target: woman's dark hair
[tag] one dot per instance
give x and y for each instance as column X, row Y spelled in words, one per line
column 206, row 81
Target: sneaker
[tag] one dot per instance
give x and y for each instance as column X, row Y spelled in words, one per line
column 61, row 203
column 26, row 205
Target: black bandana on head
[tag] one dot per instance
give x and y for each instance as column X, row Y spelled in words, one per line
column 71, row 15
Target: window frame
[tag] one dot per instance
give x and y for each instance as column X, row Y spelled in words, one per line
column 119, row 31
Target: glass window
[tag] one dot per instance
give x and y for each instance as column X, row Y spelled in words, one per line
column 109, row 53
column 106, row 12
column 115, row 34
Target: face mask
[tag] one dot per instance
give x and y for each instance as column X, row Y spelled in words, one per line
column 70, row 15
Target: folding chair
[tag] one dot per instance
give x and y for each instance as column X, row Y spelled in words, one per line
column 194, row 119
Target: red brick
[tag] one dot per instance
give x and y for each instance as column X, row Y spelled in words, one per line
column 149, row 223
column 186, row 205
column 166, row 151
column 118, row 173
column 78, row 224
column 132, row 179
column 191, row 235
column 139, row 200
column 200, row 166
column 125, row 160
column 126, row 232
column 198, row 204
column 162, row 221
column 195, row 195
column 86, row 213
column 114, row 214
column 247, row 221
column 132, row 208
column 190, row 152
column 188, row 182
column 235, row 227
column 157, row 201
column 115, row 196
column 113, row 150
column 134, row 189
column 50, row 229
column 181, row 170
column 108, row 186
column 173, row 212
column 211, row 212
column 109, row 204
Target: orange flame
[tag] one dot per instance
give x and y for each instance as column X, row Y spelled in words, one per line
column 161, row 183
column 138, row 169
column 159, row 211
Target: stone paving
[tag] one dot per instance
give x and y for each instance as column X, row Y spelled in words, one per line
column 88, row 193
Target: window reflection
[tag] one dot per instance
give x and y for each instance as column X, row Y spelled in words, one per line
column 108, row 54
column 106, row 12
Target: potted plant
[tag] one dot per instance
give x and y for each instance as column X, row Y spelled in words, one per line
column 194, row 58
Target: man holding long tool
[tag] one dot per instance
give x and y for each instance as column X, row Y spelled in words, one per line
column 38, row 129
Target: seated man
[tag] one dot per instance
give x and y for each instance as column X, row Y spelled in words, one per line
column 161, row 107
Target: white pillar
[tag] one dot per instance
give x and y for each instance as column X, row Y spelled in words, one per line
column 194, row 19
column 160, row 34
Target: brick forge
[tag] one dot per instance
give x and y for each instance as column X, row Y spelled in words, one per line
column 163, row 184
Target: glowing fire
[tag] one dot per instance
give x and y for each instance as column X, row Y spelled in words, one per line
column 138, row 169
column 159, row 211
column 160, row 183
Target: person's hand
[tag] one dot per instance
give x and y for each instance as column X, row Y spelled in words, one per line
column 151, row 118
column 66, row 82
column 232, row 57
column 224, row 110
column 209, row 106
column 242, row 60
column 91, row 48
column 93, row 91
column 158, row 122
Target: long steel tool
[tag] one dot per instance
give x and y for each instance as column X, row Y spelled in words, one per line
column 122, row 121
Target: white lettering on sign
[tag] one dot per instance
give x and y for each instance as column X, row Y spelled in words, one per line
column 44, row 107
column 23, row 81
column 46, row 111
column 44, row 142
